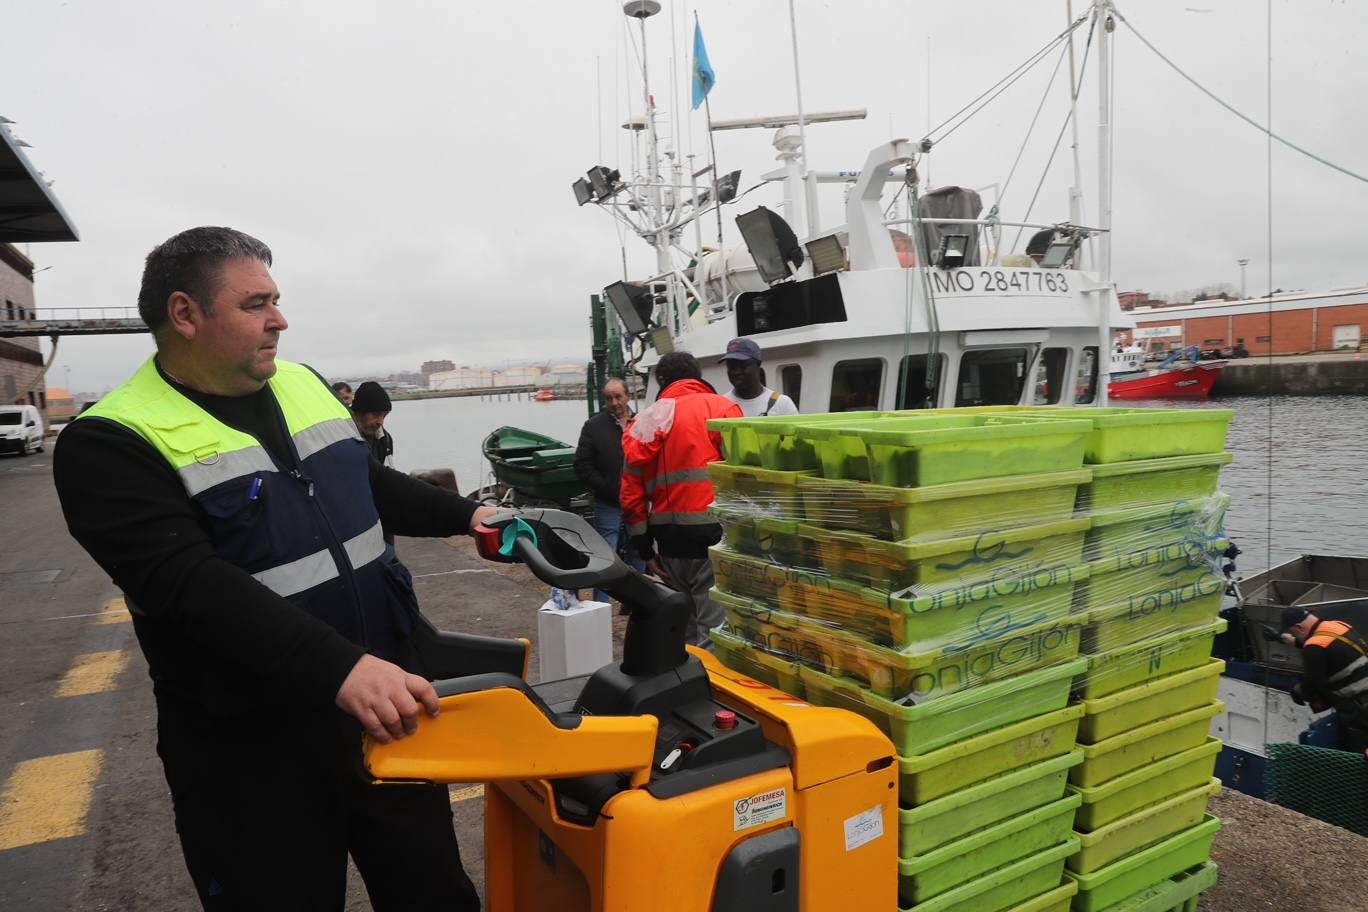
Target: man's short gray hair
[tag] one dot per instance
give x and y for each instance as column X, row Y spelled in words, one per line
column 618, row 380
column 190, row 262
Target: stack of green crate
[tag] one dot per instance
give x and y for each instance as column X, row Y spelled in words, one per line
column 923, row 571
column 1148, row 696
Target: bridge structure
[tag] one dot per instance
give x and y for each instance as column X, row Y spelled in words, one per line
column 71, row 321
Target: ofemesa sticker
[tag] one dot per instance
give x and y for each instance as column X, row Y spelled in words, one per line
column 758, row 809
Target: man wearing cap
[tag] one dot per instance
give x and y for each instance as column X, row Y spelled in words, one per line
column 748, row 384
column 370, row 407
column 1335, row 662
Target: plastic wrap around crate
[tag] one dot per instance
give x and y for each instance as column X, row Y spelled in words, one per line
column 1143, row 578
column 775, row 540
column 1124, row 710
column 1116, row 533
column 1119, row 754
column 777, row 671
column 927, row 726
column 1115, row 798
column 1121, row 485
column 770, row 441
column 925, row 567
column 981, row 656
column 942, row 448
column 1005, row 888
column 1145, row 869
column 921, row 877
column 932, row 775
column 1153, row 614
column 1136, row 663
column 1179, row 893
column 760, row 492
column 1142, row 829
column 968, row 810
column 938, row 511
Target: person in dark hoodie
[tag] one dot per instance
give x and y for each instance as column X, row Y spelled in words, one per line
column 666, row 489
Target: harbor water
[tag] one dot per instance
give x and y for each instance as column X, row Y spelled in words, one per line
column 1299, row 469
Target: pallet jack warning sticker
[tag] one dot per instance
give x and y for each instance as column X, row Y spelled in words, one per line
column 758, row 809
column 864, row 827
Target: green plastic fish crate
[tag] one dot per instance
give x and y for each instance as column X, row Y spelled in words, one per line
column 1122, row 434
column 1136, row 663
column 984, row 656
column 1151, row 481
column 1116, row 533
column 948, row 563
column 944, row 510
column 1141, row 829
column 1057, row 900
column 1114, row 799
column 932, row 775
column 1115, row 714
column 1136, row 873
column 776, row 540
column 749, row 659
column 1008, row 886
column 840, row 445
column 761, row 492
column 1130, row 577
column 923, row 727
column 770, row 441
column 961, row 449
column 921, row 877
column 1154, row 614
column 968, row 810
column 968, row 613
column 1179, row 893
column 1119, row 754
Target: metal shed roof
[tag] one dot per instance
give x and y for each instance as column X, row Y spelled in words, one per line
column 29, row 212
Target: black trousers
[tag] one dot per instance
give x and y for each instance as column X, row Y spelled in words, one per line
column 268, row 813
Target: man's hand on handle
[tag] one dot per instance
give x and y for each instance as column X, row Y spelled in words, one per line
column 385, row 699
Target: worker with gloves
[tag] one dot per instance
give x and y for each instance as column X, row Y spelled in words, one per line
column 1335, row 659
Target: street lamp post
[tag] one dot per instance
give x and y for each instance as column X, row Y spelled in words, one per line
column 1243, row 263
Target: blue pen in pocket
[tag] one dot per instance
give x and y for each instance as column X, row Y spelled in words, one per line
column 255, row 490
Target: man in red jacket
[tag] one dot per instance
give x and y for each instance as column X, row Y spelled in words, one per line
column 666, row 489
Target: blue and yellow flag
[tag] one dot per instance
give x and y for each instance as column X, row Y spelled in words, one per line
column 703, row 77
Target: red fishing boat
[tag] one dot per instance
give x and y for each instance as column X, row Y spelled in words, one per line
column 544, row 395
column 1180, row 376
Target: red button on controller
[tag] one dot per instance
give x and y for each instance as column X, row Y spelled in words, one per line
column 724, row 719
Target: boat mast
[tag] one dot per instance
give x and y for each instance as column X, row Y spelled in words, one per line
column 1104, row 203
column 1076, row 191
column 641, row 10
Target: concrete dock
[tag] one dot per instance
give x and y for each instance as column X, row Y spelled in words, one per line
column 1323, row 374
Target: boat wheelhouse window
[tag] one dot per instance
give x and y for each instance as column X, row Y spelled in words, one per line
column 791, row 383
column 1050, row 376
column 914, row 392
column 855, row 385
column 992, row 376
column 1086, row 379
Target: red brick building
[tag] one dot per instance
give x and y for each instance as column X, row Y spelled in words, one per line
column 1293, row 323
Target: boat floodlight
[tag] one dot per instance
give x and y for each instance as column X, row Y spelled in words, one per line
column 953, row 249
column 826, row 254
column 604, row 181
column 633, row 305
column 1061, row 251
column 771, row 242
column 583, row 192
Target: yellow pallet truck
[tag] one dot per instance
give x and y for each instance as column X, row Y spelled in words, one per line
column 662, row 783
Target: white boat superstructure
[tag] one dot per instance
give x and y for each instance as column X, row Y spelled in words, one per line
column 877, row 312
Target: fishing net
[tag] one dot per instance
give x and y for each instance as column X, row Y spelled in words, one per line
column 1320, row 782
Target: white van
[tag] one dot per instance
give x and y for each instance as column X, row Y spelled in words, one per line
column 21, row 429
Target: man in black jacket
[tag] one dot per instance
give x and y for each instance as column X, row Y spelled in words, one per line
column 598, row 463
column 192, row 489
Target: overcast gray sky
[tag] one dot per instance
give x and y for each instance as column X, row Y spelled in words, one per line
column 409, row 162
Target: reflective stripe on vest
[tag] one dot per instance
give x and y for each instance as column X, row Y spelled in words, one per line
column 681, row 518
column 679, row 476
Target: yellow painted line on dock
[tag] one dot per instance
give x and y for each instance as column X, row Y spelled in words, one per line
column 47, row 798
column 116, row 612
column 465, row 794
column 94, row 672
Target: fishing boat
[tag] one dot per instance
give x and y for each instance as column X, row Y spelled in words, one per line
column 1182, row 375
column 545, row 394
column 533, row 468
